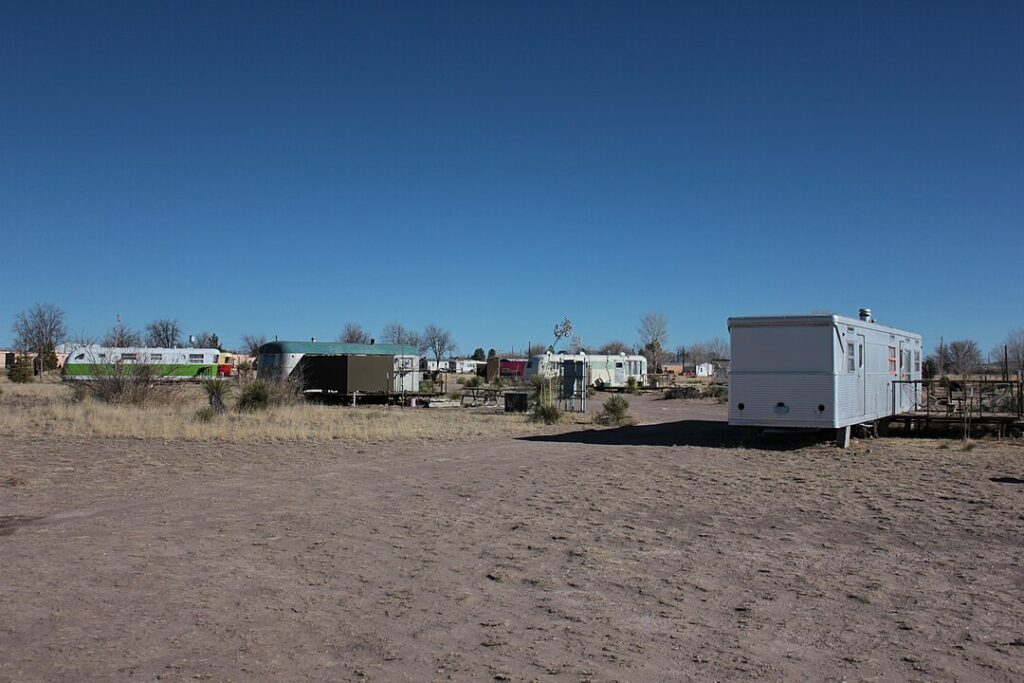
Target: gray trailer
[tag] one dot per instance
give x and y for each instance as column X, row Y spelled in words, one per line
column 819, row 371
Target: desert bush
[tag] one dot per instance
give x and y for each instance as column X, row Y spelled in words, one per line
column 21, row 372
column 427, row 386
column 716, row 391
column 255, row 396
column 548, row 413
column 216, row 391
column 124, row 385
column 632, row 386
column 206, row 414
column 473, row 381
column 615, row 411
column 684, row 391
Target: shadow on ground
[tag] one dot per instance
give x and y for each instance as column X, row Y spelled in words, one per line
column 703, row 433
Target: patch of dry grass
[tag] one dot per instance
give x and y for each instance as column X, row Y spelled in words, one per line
column 49, row 410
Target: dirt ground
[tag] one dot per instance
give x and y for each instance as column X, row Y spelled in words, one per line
column 665, row 551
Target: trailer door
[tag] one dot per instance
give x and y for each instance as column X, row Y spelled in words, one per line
column 861, row 375
column 620, row 374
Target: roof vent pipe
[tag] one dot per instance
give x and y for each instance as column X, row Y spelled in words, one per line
column 865, row 315
column 312, row 339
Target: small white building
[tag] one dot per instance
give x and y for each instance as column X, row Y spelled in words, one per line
column 820, row 371
column 704, row 369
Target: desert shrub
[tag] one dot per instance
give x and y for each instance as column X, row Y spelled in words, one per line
column 427, row 386
column 124, row 385
column 216, row 391
column 205, row 414
column 548, row 413
column 21, row 372
column 684, row 391
column 255, row 396
column 615, row 411
column 716, row 391
column 473, row 381
column 632, row 386
column 286, row 393
column 499, row 382
column 591, row 391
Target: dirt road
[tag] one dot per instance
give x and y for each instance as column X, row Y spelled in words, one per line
column 603, row 556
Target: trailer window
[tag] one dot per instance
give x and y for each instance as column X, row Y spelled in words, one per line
column 860, row 355
column 917, row 361
column 195, row 358
column 156, row 356
column 851, row 365
column 892, row 359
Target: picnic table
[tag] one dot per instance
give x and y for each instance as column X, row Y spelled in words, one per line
column 480, row 396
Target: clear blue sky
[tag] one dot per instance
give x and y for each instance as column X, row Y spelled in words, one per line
column 492, row 167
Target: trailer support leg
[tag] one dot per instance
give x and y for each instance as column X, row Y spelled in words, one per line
column 843, row 437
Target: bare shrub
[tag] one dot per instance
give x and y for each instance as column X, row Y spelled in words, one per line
column 124, row 385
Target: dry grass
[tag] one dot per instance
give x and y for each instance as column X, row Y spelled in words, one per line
column 49, row 409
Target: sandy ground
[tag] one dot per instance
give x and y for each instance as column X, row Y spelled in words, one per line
column 666, row 551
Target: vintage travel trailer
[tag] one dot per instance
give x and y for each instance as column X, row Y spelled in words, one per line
column 91, row 362
column 819, row 371
column 314, row 362
column 603, row 371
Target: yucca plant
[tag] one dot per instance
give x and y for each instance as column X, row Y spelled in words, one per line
column 615, row 411
column 216, row 391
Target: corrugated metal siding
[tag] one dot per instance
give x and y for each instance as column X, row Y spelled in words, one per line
column 801, row 393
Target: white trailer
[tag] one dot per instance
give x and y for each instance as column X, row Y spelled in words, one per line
column 603, row 371
column 819, row 371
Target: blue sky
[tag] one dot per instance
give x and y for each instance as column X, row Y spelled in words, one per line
column 283, row 168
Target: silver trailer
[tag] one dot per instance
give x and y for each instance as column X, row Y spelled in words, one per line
column 819, row 371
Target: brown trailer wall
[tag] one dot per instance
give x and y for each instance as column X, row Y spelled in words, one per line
column 370, row 374
column 346, row 374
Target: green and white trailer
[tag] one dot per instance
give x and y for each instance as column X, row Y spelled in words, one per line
column 162, row 364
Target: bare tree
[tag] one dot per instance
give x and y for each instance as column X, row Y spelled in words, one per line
column 614, row 348
column 531, row 350
column 698, row 354
column 438, row 341
column 397, row 333
column 40, row 329
column 653, row 333
column 575, row 344
column 81, row 339
column 716, row 348
column 251, row 343
column 353, row 333
column 164, row 333
column 207, row 340
column 121, row 335
column 1014, row 348
column 963, row 357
